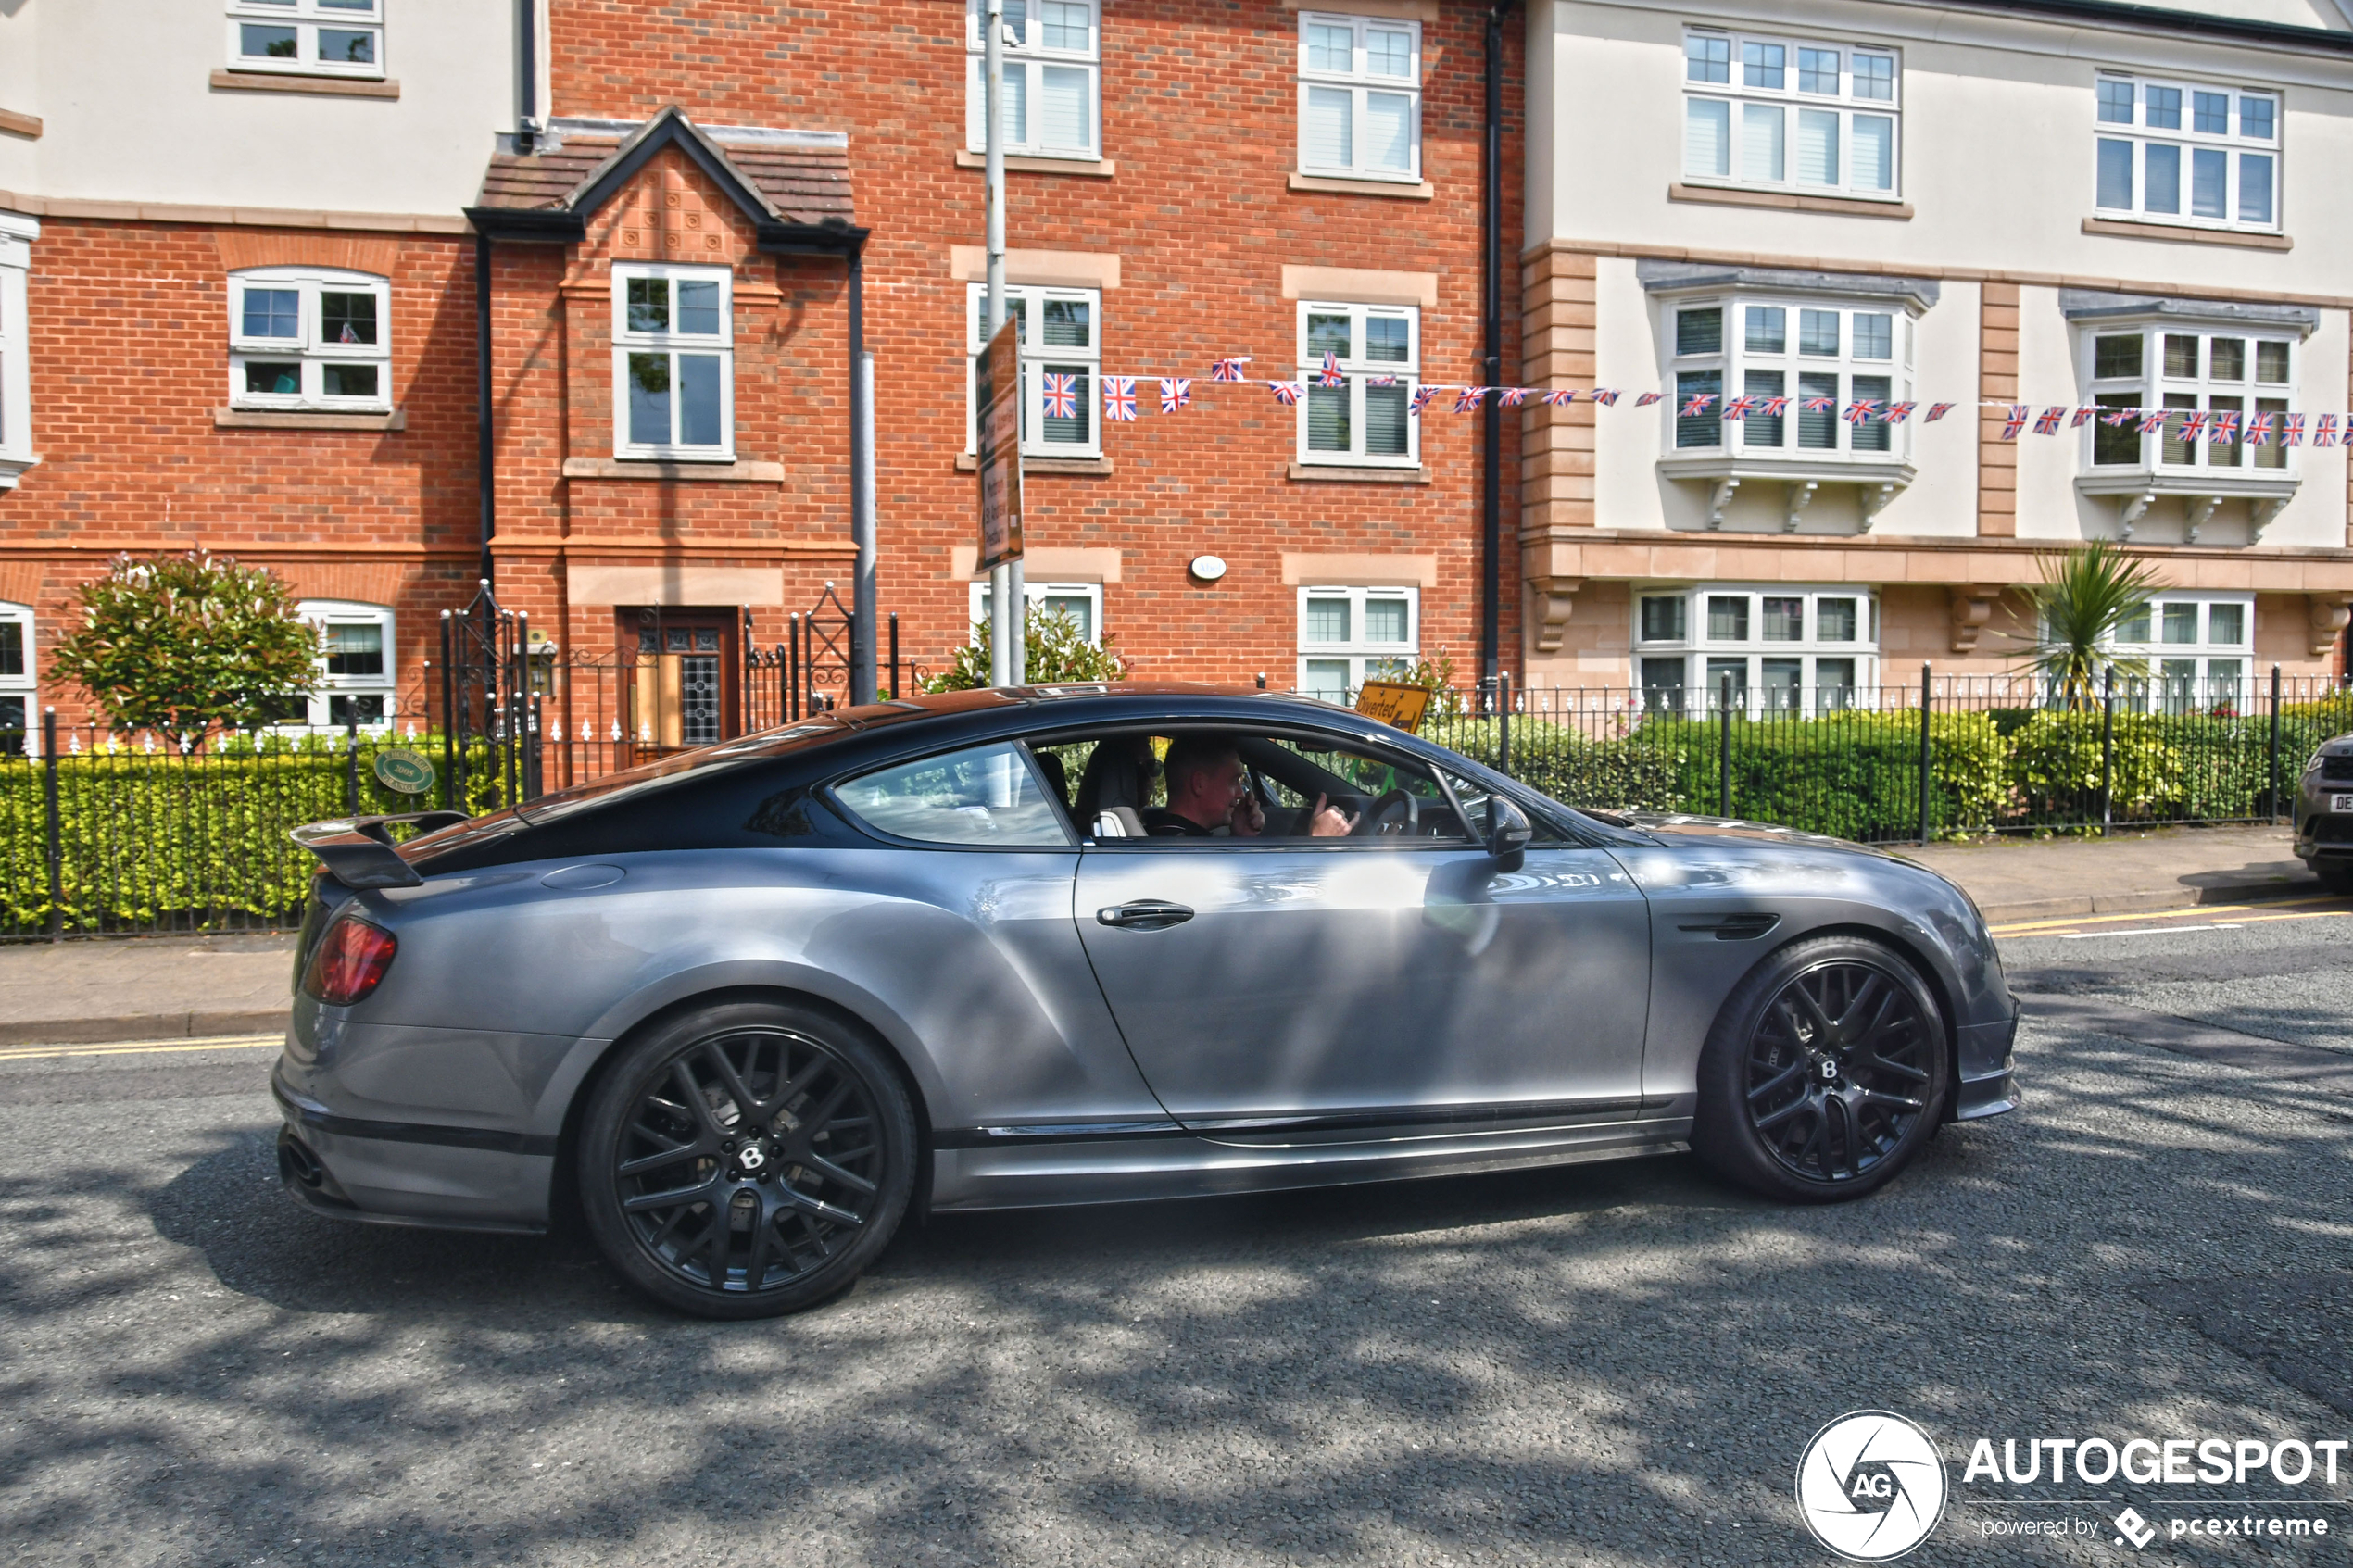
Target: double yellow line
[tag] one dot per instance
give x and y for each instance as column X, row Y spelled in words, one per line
column 2241, row 914
column 145, row 1048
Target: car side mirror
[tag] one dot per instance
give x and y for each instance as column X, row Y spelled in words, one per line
column 1508, row 831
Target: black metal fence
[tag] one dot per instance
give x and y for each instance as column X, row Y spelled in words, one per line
column 114, row 834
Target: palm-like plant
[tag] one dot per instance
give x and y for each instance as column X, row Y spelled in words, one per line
column 2085, row 597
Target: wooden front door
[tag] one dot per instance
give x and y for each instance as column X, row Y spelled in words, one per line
column 684, row 671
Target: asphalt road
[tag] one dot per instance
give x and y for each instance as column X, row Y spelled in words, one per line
column 1609, row 1364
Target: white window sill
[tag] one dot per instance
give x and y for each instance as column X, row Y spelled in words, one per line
column 1085, row 164
column 1358, row 474
column 250, row 80
column 2229, row 483
column 2186, row 233
column 1789, row 201
column 309, row 418
column 1357, row 185
column 1879, row 477
column 10, row 468
column 968, row 463
column 716, row 470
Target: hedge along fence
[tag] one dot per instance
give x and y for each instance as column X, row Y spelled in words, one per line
column 152, row 842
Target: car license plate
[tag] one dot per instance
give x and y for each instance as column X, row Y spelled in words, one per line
column 2341, row 802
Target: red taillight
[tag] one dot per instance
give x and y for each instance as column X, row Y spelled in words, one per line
column 350, row 962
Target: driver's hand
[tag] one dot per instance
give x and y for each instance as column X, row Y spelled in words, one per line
column 1329, row 822
column 1249, row 818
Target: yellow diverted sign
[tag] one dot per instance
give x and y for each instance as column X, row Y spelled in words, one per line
column 996, row 382
column 1394, row 703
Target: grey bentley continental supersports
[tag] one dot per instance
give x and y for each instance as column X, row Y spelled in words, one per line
column 748, row 1004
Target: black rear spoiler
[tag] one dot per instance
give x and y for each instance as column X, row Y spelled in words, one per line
column 358, row 850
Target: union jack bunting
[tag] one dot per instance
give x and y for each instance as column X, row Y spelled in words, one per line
column 1937, row 411
column 1898, row 412
column 2118, row 416
column 2152, row 421
column 2259, row 428
column 1647, row 399
column 1861, row 411
column 1228, row 370
column 2291, row 433
column 2047, row 422
column 1176, row 392
column 2223, row 429
column 1773, row 407
column 2324, row 430
column 2015, row 423
column 2192, row 426
column 1467, row 398
column 1819, row 404
column 1062, row 398
column 1285, row 392
column 1511, row 397
column 1384, row 381
column 1119, row 399
column 1422, row 395
column 1696, row 406
column 1559, row 398
column 1606, row 395
column 1329, row 375
column 2083, row 416
column 1739, row 408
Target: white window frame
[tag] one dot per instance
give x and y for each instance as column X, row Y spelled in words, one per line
column 1361, row 83
column 2123, row 146
column 307, row 20
column 21, row 685
column 1357, row 368
column 1745, row 353
column 1028, row 60
column 1697, row 650
column 674, row 343
column 2220, row 673
column 1037, row 596
column 2154, row 388
column 17, row 235
column 1028, row 301
column 326, row 613
column 1364, row 658
column 309, row 347
column 1762, row 123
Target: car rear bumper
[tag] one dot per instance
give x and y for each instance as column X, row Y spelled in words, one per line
column 409, row 1173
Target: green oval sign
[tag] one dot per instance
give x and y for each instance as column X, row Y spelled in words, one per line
column 399, row 769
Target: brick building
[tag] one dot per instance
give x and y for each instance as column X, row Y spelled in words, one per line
column 669, row 208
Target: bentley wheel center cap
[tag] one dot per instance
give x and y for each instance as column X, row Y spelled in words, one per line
column 752, row 1158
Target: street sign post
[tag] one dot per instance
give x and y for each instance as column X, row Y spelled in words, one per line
column 998, row 381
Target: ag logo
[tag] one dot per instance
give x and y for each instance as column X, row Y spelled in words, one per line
column 1871, row 1485
column 401, row 769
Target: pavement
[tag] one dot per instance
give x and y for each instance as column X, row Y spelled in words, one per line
column 156, row 989
column 1611, row 1364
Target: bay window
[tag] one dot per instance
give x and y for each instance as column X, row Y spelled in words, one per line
column 1796, row 368
column 2198, row 154
column 1790, row 114
column 2201, row 377
column 1375, row 352
column 1053, row 52
column 304, row 338
column 1360, row 98
column 1060, row 355
column 674, row 363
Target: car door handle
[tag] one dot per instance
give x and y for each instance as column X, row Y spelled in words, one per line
column 1144, row 914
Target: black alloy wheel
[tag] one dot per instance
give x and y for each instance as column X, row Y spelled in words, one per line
column 747, row 1160
column 1825, row 1074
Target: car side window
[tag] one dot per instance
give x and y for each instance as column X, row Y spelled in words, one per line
column 1294, row 773
column 984, row 797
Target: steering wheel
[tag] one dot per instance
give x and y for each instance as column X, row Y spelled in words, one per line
column 1395, row 815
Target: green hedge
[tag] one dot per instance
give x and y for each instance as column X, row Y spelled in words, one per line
column 195, row 843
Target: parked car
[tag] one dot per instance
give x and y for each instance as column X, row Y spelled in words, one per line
column 2324, row 815
column 754, row 1002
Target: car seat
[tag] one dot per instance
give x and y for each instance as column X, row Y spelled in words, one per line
column 1112, row 786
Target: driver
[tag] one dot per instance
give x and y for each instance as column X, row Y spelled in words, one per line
column 1209, row 789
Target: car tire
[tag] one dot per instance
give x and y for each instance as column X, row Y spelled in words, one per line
column 747, row 1160
column 1827, row 1070
column 2335, row 875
